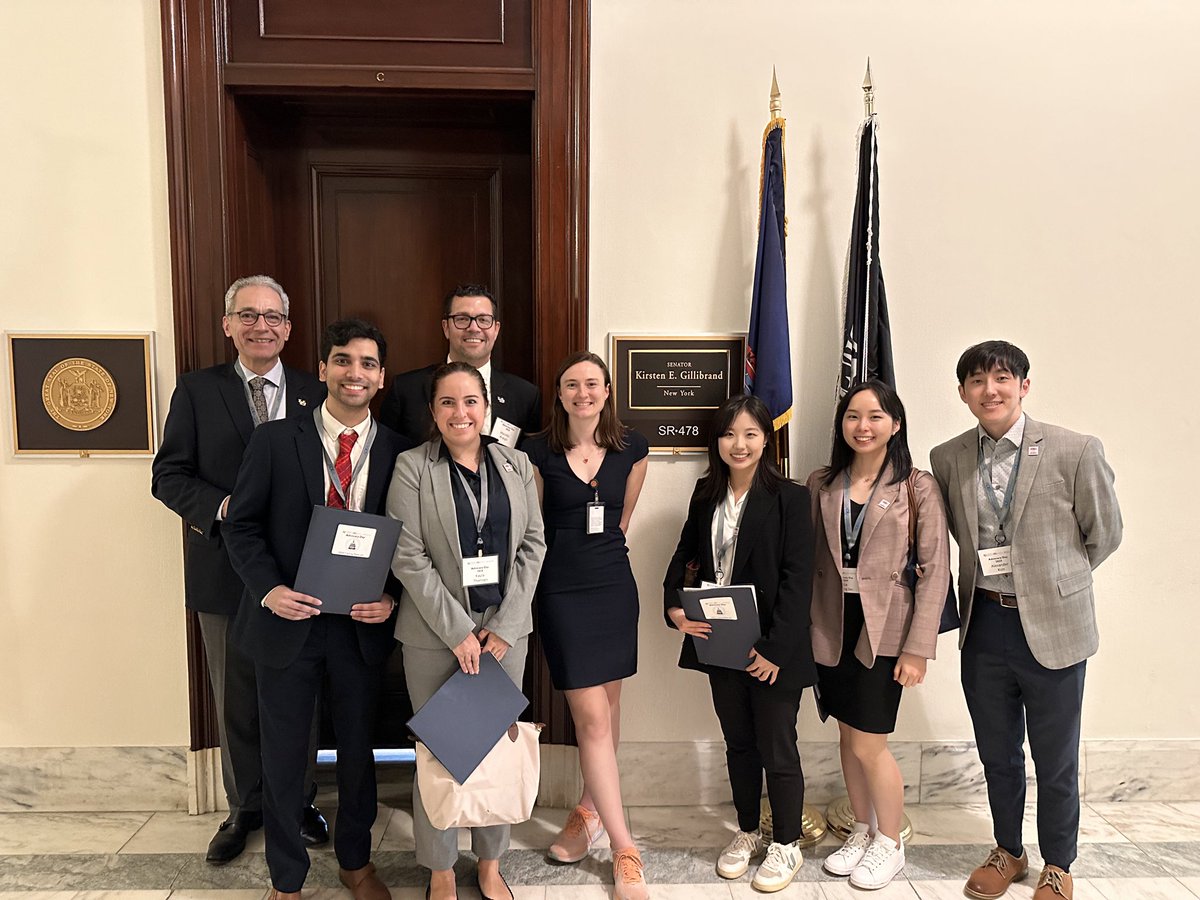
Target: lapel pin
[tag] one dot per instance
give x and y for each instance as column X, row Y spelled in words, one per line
column 508, row 467
column 302, row 402
column 884, row 504
column 499, row 399
column 1033, row 451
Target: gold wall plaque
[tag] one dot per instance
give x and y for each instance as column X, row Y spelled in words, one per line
column 79, row 394
column 82, row 394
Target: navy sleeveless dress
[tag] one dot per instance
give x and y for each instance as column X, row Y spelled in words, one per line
column 587, row 601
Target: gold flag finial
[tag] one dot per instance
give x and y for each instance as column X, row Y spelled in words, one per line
column 776, row 102
column 868, row 92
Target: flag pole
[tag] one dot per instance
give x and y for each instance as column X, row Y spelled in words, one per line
column 783, row 453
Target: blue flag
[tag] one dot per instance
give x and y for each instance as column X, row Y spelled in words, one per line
column 768, row 346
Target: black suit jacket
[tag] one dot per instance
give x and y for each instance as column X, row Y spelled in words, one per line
column 281, row 480
column 206, row 433
column 775, row 554
column 406, row 407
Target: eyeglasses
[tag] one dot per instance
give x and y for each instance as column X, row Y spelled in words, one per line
column 249, row 317
column 462, row 321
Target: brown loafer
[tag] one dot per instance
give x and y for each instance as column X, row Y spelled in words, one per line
column 1054, row 884
column 991, row 880
column 364, row 884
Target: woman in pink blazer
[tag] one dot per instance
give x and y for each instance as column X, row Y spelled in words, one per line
column 871, row 636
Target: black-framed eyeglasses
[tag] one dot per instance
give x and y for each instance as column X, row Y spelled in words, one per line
column 462, row 321
column 249, row 317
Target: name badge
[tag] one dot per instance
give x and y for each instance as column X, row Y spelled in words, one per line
column 505, row 432
column 850, row 581
column 595, row 518
column 705, row 585
column 718, row 608
column 351, row 541
column 481, row 570
column 996, row 561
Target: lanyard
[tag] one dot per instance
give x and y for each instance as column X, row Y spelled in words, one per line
column 331, row 465
column 853, row 529
column 274, row 410
column 480, row 507
column 731, row 542
column 1005, row 510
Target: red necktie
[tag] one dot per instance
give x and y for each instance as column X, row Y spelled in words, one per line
column 342, row 466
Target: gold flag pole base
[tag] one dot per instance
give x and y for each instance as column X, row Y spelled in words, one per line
column 812, row 825
column 840, row 818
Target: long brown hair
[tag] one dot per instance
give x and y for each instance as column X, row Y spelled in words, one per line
column 444, row 371
column 610, row 433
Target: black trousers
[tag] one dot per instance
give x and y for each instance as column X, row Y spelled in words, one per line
column 1006, row 690
column 287, row 698
column 759, row 726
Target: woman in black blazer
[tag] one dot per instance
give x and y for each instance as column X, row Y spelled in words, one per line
column 747, row 524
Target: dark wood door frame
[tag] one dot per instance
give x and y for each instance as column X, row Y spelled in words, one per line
column 199, row 91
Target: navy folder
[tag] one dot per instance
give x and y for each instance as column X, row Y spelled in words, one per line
column 346, row 558
column 732, row 611
column 462, row 721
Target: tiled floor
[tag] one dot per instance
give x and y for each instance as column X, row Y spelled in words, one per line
column 1128, row 851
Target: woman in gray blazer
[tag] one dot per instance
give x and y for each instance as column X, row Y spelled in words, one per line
column 463, row 495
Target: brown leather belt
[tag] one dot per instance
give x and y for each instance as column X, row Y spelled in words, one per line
column 1008, row 601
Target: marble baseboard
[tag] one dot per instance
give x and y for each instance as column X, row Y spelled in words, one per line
column 104, row 779
column 682, row 773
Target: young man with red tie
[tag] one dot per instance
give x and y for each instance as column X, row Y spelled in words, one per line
column 338, row 456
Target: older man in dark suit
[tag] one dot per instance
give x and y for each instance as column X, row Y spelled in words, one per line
column 335, row 456
column 471, row 324
column 213, row 413
column 1033, row 509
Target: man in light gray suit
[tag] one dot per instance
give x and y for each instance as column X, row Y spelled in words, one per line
column 1033, row 510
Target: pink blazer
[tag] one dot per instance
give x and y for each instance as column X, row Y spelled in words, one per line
column 896, row 622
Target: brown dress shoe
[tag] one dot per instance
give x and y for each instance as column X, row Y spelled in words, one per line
column 364, row 884
column 991, row 880
column 283, row 895
column 1054, row 884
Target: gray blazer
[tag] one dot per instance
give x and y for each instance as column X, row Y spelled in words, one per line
column 1065, row 522
column 434, row 610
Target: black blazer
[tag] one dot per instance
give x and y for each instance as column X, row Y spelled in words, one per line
column 405, row 409
column 281, row 480
column 206, row 433
column 775, row 554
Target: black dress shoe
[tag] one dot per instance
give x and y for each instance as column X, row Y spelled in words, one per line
column 313, row 827
column 230, row 839
column 510, row 891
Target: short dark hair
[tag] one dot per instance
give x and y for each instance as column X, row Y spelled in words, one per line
column 343, row 331
column 898, row 456
column 993, row 355
column 469, row 290
column 715, row 482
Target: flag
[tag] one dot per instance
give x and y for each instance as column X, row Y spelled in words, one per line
column 866, row 333
column 768, row 347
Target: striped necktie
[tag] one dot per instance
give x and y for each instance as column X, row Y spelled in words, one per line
column 342, row 466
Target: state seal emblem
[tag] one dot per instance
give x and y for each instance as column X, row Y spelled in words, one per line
column 79, row 394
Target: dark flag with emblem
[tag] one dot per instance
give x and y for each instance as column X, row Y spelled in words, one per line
column 768, row 346
column 866, row 334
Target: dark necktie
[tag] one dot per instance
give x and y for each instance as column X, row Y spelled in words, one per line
column 259, row 398
column 342, row 466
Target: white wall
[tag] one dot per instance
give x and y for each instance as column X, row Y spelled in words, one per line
column 1038, row 183
column 91, row 612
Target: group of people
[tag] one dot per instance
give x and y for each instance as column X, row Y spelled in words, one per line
column 851, row 575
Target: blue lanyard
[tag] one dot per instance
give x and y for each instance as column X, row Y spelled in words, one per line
column 853, row 529
column 331, row 465
column 1005, row 510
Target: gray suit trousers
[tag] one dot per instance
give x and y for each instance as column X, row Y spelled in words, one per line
column 426, row 671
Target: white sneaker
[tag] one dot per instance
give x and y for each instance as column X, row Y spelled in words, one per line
column 845, row 859
column 735, row 859
column 779, row 868
column 883, row 861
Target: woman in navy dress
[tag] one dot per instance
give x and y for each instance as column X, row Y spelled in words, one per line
column 590, row 470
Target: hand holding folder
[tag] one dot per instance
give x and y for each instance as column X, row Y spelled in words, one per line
column 346, row 558
column 732, row 611
column 467, row 715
